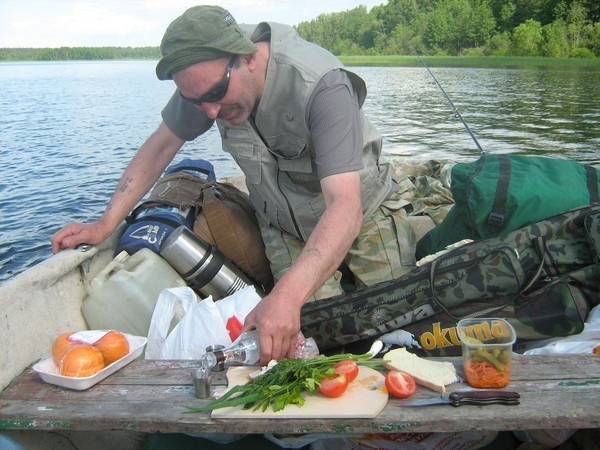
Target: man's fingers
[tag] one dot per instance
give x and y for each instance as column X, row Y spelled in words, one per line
column 266, row 345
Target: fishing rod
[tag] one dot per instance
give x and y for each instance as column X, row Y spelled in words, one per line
column 456, row 112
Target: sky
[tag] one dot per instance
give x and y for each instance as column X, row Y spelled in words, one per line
column 136, row 23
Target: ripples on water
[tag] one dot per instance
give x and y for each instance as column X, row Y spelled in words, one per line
column 67, row 131
column 508, row 110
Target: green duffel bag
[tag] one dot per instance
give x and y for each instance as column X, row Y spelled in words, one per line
column 498, row 194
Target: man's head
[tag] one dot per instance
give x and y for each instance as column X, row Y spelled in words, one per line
column 202, row 33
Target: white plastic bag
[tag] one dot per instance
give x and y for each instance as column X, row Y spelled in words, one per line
column 236, row 307
column 587, row 341
column 584, row 342
column 203, row 322
column 199, row 327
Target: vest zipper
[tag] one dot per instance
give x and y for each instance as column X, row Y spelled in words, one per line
column 290, row 210
column 251, row 120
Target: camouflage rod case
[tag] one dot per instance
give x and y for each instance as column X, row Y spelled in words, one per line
column 543, row 278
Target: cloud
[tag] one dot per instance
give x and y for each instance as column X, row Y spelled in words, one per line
column 37, row 23
column 75, row 23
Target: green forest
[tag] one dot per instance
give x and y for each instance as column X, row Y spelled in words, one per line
column 78, row 53
column 551, row 28
column 547, row 28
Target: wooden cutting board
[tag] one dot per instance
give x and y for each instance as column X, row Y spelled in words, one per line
column 363, row 399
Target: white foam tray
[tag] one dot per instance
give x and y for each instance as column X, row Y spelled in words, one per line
column 49, row 372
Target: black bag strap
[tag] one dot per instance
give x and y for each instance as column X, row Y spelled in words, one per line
column 440, row 303
column 591, row 175
column 496, row 217
column 539, row 244
column 131, row 220
column 546, row 261
column 148, row 204
column 592, row 229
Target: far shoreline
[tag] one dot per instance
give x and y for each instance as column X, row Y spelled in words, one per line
column 10, row 56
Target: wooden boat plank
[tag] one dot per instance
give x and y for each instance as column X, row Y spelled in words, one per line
column 557, row 392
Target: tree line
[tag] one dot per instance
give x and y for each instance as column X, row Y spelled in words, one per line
column 78, row 53
column 553, row 28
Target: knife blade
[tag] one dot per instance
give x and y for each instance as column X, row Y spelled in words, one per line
column 467, row 397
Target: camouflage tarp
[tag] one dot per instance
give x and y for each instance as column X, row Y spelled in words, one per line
column 543, row 277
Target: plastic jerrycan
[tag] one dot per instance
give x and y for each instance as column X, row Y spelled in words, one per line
column 123, row 295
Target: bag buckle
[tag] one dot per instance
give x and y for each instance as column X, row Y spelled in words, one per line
column 495, row 220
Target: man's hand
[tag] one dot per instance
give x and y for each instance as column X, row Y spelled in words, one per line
column 277, row 316
column 278, row 324
column 74, row 234
column 142, row 172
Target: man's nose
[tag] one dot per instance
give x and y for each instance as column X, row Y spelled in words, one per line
column 210, row 109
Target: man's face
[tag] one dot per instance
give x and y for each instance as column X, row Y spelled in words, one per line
column 222, row 88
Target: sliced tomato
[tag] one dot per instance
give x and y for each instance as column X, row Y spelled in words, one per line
column 334, row 386
column 400, row 384
column 348, row 367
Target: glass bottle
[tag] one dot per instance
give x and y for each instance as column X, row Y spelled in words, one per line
column 244, row 350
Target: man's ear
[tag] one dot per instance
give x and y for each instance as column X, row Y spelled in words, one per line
column 251, row 61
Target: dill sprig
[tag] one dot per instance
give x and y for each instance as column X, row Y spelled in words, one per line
column 284, row 383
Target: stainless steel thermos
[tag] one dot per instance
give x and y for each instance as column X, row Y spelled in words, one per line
column 202, row 265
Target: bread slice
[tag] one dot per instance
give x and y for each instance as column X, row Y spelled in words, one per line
column 432, row 374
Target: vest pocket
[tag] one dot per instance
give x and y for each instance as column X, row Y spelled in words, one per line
column 300, row 165
column 288, row 146
column 246, row 153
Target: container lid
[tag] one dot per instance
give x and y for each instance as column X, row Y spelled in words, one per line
column 486, row 331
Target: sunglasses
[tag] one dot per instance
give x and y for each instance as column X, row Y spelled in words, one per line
column 218, row 91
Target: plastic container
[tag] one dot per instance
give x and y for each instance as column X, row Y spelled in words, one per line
column 123, row 295
column 486, row 351
column 49, row 372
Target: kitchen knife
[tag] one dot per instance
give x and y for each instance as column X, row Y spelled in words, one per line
column 457, row 398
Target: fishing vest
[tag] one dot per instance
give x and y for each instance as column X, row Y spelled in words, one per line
column 276, row 152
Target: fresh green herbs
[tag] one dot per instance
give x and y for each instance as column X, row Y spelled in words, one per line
column 283, row 384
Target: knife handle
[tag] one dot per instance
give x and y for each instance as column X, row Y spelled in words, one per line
column 484, row 397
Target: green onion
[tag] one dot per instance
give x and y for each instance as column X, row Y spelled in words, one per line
column 284, row 383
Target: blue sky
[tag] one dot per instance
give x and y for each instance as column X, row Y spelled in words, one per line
column 135, row 23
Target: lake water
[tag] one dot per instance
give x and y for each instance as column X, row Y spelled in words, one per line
column 68, row 129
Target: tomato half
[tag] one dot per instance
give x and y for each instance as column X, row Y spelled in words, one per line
column 400, row 384
column 348, row 367
column 334, row 386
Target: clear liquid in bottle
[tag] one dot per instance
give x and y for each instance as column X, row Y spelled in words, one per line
column 244, row 350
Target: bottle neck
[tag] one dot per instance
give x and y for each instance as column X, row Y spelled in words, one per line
column 221, row 358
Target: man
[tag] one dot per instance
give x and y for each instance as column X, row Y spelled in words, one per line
column 290, row 115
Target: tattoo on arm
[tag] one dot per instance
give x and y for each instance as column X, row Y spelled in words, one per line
column 313, row 251
column 124, row 185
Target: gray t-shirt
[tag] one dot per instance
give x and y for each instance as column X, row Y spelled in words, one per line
column 333, row 118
